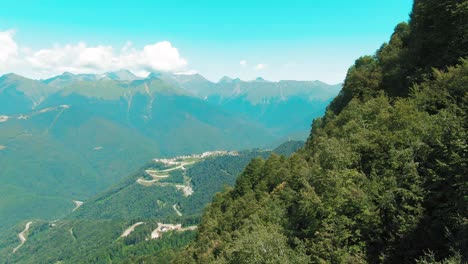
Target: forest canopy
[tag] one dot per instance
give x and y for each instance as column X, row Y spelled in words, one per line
column 383, row 176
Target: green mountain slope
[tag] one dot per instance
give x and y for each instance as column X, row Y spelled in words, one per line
column 189, row 182
column 383, row 176
column 19, row 95
column 48, row 160
column 86, row 136
column 170, row 191
column 284, row 107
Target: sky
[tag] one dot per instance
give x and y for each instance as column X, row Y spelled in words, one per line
column 275, row 39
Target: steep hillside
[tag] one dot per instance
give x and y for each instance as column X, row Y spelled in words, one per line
column 89, row 134
column 188, row 183
column 383, row 175
column 129, row 221
column 20, row 95
column 54, row 155
column 164, row 113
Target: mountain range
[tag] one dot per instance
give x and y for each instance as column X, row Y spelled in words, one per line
column 72, row 136
column 381, row 178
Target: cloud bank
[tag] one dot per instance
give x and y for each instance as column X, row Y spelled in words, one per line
column 8, row 47
column 81, row 58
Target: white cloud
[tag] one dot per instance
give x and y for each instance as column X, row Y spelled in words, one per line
column 8, row 47
column 77, row 58
column 162, row 56
column 100, row 57
column 260, row 66
column 243, row 63
column 81, row 58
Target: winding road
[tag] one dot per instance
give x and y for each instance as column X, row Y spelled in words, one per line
column 129, row 230
column 22, row 236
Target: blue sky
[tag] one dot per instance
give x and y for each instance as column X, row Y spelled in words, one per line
column 304, row 40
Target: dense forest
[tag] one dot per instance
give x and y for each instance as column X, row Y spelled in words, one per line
column 383, row 176
column 92, row 233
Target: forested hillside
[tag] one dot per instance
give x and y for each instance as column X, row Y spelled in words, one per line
column 383, row 176
column 165, row 191
column 72, row 136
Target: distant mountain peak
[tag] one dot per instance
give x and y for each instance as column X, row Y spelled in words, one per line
column 121, row 75
column 154, row 75
column 190, row 78
column 12, row 76
column 68, row 77
column 67, row 74
column 259, row 79
column 123, row 71
column 227, row 79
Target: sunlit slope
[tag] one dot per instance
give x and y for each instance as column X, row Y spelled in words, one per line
column 148, row 216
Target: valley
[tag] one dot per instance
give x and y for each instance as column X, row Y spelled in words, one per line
column 82, row 133
column 320, row 132
column 160, row 203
